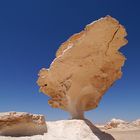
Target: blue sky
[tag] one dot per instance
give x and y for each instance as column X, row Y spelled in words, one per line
column 31, row 32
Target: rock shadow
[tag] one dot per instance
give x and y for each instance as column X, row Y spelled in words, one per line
column 100, row 134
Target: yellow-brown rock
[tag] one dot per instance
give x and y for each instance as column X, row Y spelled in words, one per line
column 21, row 124
column 85, row 67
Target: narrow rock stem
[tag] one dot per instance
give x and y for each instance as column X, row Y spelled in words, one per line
column 78, row 114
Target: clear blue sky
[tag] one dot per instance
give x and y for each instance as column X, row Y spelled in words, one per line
column 31, row 32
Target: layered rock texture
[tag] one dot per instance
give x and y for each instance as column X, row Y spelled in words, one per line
column 21, row 124
column 85, row 67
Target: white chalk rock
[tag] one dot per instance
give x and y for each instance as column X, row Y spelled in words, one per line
column 116, row 123
column 74, row 130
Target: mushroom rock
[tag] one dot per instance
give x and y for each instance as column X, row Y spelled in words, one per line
column 21, row 124
column 85, row 67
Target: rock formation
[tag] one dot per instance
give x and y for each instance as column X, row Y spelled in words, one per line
column 116, row 123
column 85, row 67
column 136, row 122
column 65, row 130
column 21, row 124
column 74, row 130
column 119, row 124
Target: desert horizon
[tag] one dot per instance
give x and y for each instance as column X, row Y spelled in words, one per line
column 114, row 129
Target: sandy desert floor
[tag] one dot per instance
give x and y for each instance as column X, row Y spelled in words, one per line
column 125, row 134
column 117, row 134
